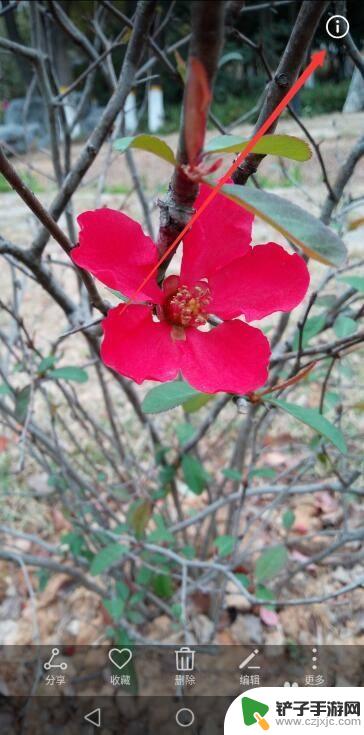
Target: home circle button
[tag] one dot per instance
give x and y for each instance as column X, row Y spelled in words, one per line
column 185, row 717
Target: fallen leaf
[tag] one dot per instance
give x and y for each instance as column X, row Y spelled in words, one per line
column 52, row 589
column 269, row 617
column 326, row 502
column 60, row 523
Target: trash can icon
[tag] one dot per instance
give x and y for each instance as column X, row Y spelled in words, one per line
column 185, row 659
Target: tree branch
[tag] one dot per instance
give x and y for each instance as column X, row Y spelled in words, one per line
column 287, row 72
column 9, row 173
column 206, row 42
column 143, row 17
column 342, row 179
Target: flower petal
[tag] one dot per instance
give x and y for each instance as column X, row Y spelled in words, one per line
column 137, row 347
column 114, row 248
column 221, row 234
column 266, row 280
column 232, row 357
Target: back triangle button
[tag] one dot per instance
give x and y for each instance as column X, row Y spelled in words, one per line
column 94, row 717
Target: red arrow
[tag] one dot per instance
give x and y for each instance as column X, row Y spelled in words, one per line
column 317, row 59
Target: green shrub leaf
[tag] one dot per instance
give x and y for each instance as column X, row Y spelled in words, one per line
column 185, row 432
column 270, row 562
column 312, row 418
column 22, row 403
column 69, row 372
column 232, row 474
column 106, row 557
column 356, row 282
column 230, row 56
column 313, row 326
column 150, row 143
column 168, row 395
column 308, row 233
column 161, row 533
column 344, row 326
column 46, row 363
column 163, row 585
column 225, row 545
column 194, row 474
column 115, row 607
column 287, row 146
column 288, row 519
column 194, row 404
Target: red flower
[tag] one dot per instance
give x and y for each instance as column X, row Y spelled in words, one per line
column 220, row 274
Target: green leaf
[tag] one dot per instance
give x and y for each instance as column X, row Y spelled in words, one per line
column 288, row 519
column 312, row 418
column 188, row 551
column 313, row 326
column 194, row 474
column 225, row 545
column 356, row 282
column 150, row 143
column 328, row 300
column 277, row 145
column 69, row 372
column 118, row 294
column 43, row 576
column 134, row 616
column 308, row 233
column 144, row 576
column 75, row 541
column 232, row 474
column 46, row 363
column 106, row 557
column 267, row 472
column 243, row 579
column 185, row 432
column 161, row 533
column 168, row 395
column 163, row 585
column 270, row 562
column 230, row 56
column 115, row 607
column 176, row 610
column 263, row 593
column 22, row 403
column 166, row 475
column 332, row 399
column 122, row 590
column 5, row 390
column 344, row 326
column 194, row 404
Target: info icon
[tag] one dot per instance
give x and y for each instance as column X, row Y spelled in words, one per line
column 337, row 26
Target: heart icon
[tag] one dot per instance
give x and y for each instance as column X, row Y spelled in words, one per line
column 120, row 657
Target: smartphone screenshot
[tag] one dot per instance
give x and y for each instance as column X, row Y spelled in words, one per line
column 181, row 367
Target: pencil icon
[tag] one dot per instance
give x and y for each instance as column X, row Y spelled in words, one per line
column 248, row 659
